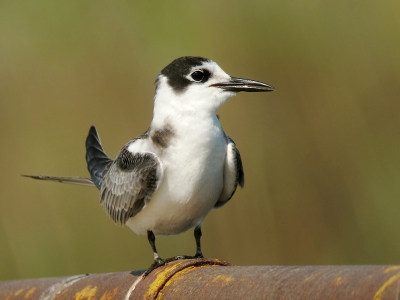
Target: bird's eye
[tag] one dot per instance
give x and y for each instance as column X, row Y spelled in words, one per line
column 197, row 76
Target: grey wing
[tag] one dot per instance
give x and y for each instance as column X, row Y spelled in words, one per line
column 129, row 184
column 233, row 173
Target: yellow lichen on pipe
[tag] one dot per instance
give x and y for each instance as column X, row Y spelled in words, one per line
column 86, row 293
column 154, row 283
column 393, row 281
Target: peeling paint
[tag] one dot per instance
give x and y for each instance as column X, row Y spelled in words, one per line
column 392, row 268
column 132, row 288
column 309, row 278
column 56, row 288
column 161, row 279
column 388, row 283
column 153, row 285
column 339, row 281
column 224, row 279
column 29, row 293
column 175, row 278
column 109, row 295
column 87, row 293
column 18, row 292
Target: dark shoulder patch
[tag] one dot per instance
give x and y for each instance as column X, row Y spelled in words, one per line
column 162, row 138
column 124, row 159
column 179, row 68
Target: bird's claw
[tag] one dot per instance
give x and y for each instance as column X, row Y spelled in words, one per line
column 179, row 257
column 157, row 263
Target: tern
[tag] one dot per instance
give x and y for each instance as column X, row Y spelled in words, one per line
column 166, row 180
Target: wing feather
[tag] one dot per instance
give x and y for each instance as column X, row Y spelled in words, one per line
column 129, row 184
column 233, row 173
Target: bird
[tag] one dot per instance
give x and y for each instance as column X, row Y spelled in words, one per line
column 166, row 180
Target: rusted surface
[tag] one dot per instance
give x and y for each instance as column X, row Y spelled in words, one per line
column 95, row 286
column 25, row 289
column 325, row 282
column 153, row 285
column 213, row 279
column 99, row 286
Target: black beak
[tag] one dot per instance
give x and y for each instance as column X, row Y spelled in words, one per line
column 244, row 85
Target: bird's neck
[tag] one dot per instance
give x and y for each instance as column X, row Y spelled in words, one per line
column 183, row 120
column 174, row 111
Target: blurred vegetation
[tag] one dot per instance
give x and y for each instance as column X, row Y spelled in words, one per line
column 321, row 153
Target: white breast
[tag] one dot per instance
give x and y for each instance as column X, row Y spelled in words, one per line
column 193, row 178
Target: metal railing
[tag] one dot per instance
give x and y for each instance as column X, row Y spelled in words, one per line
column 214, row 279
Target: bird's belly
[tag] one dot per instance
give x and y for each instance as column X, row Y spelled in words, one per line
column 190, row 188
column 171, row 218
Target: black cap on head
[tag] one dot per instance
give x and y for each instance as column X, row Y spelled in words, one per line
column 178, row 69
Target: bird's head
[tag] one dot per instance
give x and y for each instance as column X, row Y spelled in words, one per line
column 199, row 84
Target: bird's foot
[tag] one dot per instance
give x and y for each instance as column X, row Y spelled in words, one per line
column 157, row 263
column 178, row 257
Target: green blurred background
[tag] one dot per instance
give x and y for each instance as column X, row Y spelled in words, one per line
column 321, row 153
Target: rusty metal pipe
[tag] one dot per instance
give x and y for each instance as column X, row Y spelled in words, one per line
column 213, row 279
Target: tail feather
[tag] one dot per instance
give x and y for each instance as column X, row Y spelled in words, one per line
column 70, row 180
column 97, row 160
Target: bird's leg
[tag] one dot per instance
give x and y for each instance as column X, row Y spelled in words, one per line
column 197, row 236
column 199, row 254
column 158, row 261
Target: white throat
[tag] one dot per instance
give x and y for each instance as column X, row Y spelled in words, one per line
column 194, row 103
